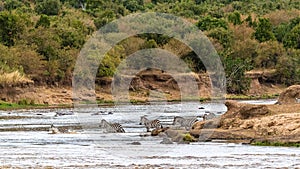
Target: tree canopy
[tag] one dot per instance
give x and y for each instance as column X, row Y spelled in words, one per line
column 42, row 38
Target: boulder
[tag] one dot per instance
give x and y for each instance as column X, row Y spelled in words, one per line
column 244, row 111
column 166, row 141
column 155, row 132
column 290, row 96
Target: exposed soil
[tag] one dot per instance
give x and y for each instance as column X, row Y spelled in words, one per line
column 149, row 85
column 255, row 122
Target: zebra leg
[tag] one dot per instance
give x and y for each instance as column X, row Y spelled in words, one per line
column 148, row 129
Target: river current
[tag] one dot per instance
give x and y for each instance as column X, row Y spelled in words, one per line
column 25, row 141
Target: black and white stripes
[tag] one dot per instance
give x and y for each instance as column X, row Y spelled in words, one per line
column 184, row 122
column 111, row 127
column 209, row 115
column 150, row 123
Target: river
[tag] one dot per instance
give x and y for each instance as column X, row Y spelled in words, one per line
column 25, row 141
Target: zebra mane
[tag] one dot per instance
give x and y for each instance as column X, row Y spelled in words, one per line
column 178, row 117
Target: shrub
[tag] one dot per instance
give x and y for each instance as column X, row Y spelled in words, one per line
column 48, row 7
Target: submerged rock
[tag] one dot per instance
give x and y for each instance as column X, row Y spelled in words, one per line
column 135, row 143
column 166, row 141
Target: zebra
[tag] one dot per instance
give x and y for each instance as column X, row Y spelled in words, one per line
column 54, row 130
column 185, row 122
column 111, row 127
column 150, row 123
column 208, row 116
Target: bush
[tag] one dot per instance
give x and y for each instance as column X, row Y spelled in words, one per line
column 48, row 7
column 292, row 38
column 263, row 31
column 44, row 21
column 237, row 83
column 11, row 28
column 208, row 23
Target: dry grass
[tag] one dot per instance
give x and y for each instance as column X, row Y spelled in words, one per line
column 14, row 77
column 282, row 16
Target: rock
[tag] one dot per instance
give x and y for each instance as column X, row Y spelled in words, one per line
column 244, row 111
column 178, row 138
column 135, row 143
column 166, row 141
column 250, row 111
column 207, row 124
column 155, row 132
column 290, row 96
column 172, row 133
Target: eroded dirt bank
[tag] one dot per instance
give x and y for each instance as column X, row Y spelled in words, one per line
column 146, row 86
column 272, row 123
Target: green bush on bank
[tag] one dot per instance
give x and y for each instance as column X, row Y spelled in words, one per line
column 43, row 38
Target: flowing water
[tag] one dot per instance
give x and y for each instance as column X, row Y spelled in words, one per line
column 25, row 141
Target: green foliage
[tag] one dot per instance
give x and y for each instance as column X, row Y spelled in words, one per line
column 287, row 69
column 133, row 5
column 237, row 83
column 283, row 31
column 108, row 66
column 11, row 28
column 103, row 18
column 292, row 38
column 12, row 4
column 263, row 31
column 194, row 62
column 44, row 21
column 42, row 38
column 48, row 7
column 281, row 144
column 235, row 18
column 280, row 31
column 268, row 54
column 208, row 23
column 222, row 35
column 250, row 22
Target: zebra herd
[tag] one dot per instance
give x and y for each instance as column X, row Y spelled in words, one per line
column 187, row 123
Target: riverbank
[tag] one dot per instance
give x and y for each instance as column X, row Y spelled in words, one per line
column 47, row 97
column 276, row 124
column 254, row 124
column 147, row 86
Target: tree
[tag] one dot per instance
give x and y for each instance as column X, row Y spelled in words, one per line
column 235, row 18
column 287, row 69
column 44, row 21
column 208, row 23
column 268, row 54
column 237, row 82
column 11, row 27
column 104, row 18
column 48, row 7
column 12, row 4
column 134, row 5
column 263, row 31
column 222, row 35
column 292, row 38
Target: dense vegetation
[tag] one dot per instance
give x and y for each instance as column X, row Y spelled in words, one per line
column 41, row 39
